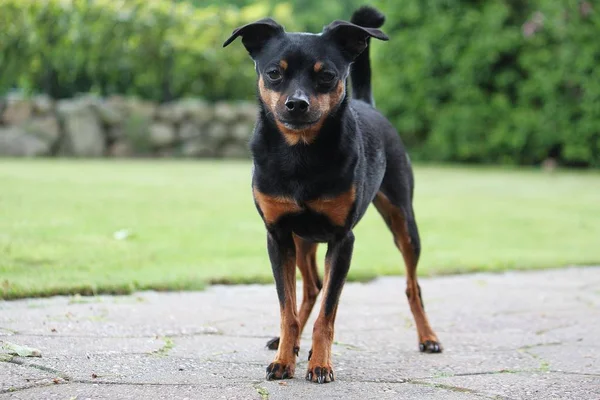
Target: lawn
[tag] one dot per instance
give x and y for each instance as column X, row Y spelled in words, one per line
column 114, row 226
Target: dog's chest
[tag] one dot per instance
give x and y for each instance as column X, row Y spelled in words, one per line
column 335, row 208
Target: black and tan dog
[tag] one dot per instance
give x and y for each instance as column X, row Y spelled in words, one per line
column 320, row 159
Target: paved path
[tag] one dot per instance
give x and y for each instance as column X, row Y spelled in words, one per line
column 532, row 335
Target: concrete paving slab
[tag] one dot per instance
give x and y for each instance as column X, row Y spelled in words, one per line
column 79, row 391
column 518, row 335
column 538, row 385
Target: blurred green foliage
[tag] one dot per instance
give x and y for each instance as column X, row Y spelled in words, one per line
column 158, row 50
column 497, row 81
column 502, row 81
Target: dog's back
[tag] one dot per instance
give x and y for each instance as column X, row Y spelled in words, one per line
column 372, row 124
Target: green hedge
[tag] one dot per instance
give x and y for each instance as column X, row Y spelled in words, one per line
column 157, row 49
column 495, row 82
column 500, row 81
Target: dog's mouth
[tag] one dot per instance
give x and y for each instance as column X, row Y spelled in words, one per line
column 297, row 125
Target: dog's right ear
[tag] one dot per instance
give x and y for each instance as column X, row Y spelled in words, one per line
column 256, row 34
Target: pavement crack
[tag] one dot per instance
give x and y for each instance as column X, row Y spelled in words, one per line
column 124, row 383
column 544, row 364
column 10, row 331
column 572, row 373
column 458, row 389
column 166, row 347
column 531, row 346
column 546, row 330
column 18, row 361
column 262, row 391
column 37, row 383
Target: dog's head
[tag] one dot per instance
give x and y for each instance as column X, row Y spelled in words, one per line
column 302, row 76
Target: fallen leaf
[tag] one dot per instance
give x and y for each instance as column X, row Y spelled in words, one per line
column 22, row 351
column 94, row 376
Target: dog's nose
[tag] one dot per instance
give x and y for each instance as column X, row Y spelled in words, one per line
column 297, row 104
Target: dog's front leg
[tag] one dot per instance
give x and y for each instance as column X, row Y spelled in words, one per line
column 282, row 254
column 337, row 264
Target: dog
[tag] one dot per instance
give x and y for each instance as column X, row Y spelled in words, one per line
column 320, row 158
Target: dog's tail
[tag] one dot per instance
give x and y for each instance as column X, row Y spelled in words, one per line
column 360, row 71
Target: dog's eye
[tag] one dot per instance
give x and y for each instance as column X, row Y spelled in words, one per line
column 326, row 77
column 274, row 74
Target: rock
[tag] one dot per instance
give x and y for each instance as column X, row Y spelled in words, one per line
column 120, row 149
column 241, row 131
column 115, row 132
column 234, row 150
column 141, row 108
column 171, row 112
column 15, row 142
column 188, row 130
column 190, row 107
column 161, row 134
column 247, row 111
column 45, row 128
column 136, row 132
column 83, row 134
column 42, row 104
column 225, row 112
column 109, row 114
column 197, row 147
column 17, row 110
column 216, row 133
column 203, row 114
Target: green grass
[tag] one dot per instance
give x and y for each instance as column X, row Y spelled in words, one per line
column 194, row 223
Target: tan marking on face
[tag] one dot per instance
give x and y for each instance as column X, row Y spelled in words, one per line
column 274, row 207
column 328, row 101
column 268, row 96
column 335, row 208
column 295, row 136
column 318, row 66
column 325, row 102
column 283, row 64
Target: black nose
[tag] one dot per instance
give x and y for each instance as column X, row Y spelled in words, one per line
column 297, row 104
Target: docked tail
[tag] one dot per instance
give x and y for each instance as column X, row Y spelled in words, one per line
column 360, row 71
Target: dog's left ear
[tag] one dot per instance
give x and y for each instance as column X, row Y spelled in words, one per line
column 351, row 38
column 256, row 34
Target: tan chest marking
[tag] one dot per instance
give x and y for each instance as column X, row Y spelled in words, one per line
column 335, row 208
column 275, row 207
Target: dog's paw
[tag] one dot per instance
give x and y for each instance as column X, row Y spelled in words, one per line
column 430, row 346
column 273, row 344
column 277, row 370
column 320, row 374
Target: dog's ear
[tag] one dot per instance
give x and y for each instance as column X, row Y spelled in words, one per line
column 351, row 38
column 256, row 34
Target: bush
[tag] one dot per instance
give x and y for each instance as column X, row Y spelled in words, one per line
column 499, row 81
column 158, row 49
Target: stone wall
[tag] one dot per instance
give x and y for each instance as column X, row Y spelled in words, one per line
column 89, row 126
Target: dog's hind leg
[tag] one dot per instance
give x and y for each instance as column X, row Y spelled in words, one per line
column 306, row 260
column 394, row 203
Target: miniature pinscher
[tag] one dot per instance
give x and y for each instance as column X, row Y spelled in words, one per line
column 320, row 158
